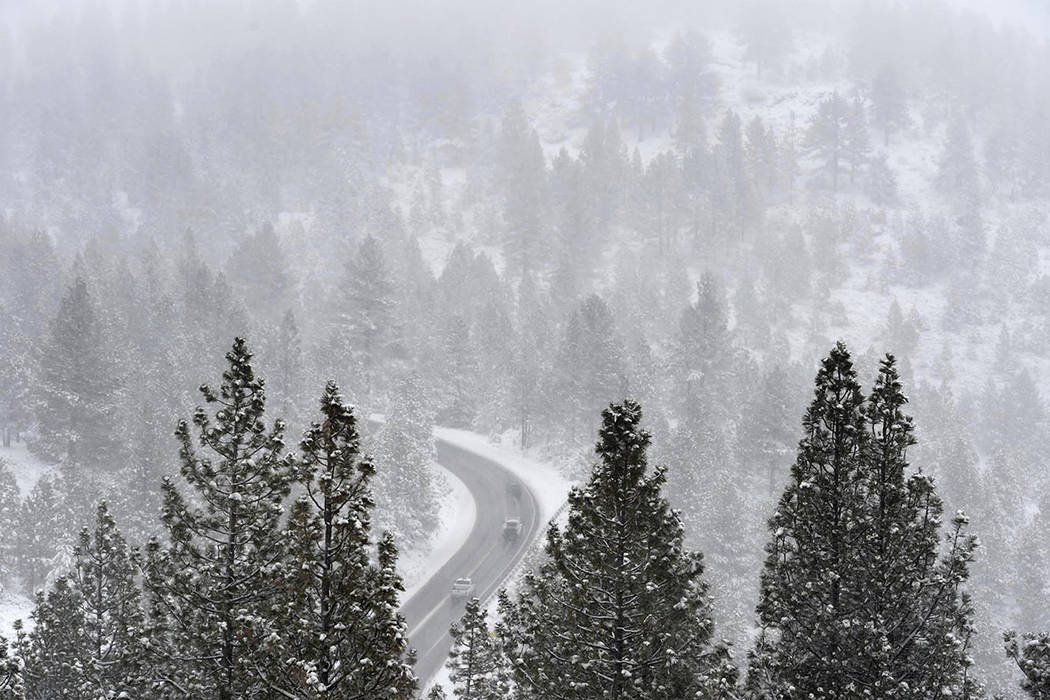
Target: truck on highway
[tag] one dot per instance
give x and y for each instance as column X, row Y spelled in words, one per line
column 511, row 529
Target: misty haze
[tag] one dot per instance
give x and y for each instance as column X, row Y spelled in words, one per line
column 491, row 350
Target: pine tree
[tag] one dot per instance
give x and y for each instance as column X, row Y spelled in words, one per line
column 689, row 76
column 457, row 371
column 212, row 579
column 592, row 366
column 704, row 358
column 258, row 269
column 345, row 639
column 882, row 182
column 53, row 651
column 957, row 173
column 619, row 609
column 78, row 388
column 87, row 638
column 803, row 606
column 765, row 33
column 532, row 362
column 761, row 149
column 910, row 595
column 1032, row 585
column 854, row 600
column 12, row 672
column 10, row 513
column 15, row 377
column 105, row 575
column 889, row 102
column 827, row 135
column 476, row 668
column 1032, row 654
column 856, row 141
column 405, row 490
column 366, row 306
column 284, row 360
column 524, row 180
column 138, row 495
column 44, row 524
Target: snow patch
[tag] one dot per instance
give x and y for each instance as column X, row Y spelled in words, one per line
column 14, row 606
column 26, row 467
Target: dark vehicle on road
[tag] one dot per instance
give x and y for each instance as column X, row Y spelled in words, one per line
column 511, row 529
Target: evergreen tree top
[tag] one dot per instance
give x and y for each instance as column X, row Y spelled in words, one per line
column 622, row 443
column 838, row 398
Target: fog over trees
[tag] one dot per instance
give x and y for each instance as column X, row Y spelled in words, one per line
column 766, row 283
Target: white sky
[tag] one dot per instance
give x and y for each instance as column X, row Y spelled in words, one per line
column 1033, row 15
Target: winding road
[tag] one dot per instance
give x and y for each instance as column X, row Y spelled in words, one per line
column 484, row 557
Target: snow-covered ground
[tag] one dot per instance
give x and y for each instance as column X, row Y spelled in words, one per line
column 456, row 515
column 27, row 467
column 13, row 606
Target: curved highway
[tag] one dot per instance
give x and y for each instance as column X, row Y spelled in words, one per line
column 484, row 557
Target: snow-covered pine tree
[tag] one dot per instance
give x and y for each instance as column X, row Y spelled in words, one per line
column 592, row 366
column 523, row 172
column 1032, row 654
column 365, row 307
column 138, row 494
column 494, row 339
column 10, row 512
column 804, row 608
column 406, row 497
column 12, row 683
column 476, row 666
column 44, row 523
column 619, row 610
column 765, row 33
column 856, row 140
column 889, row 102
column 916, row 625
column 212, row 578
column 104, row 574
column 52, row 653
column 16, row 376
column 706, row 489
column 531, row 373
column 258, row 269
column 284, row 362
column 854, row 531
column 88, row 633
column 1031, row 588
column 826, row 136
column 77, row 388
column 344, row 638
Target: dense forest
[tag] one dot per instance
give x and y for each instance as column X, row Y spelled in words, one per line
column 475, row 216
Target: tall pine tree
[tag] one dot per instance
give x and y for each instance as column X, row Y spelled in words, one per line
column 476, row 667
column 346, row 640
column 619, row 610
column 78, row 388
column 89, row 628
column 854, row 599
column 212, row 579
